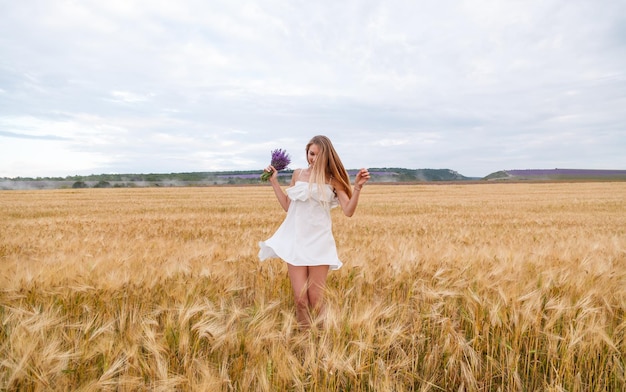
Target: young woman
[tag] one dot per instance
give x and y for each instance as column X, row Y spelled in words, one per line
column 305, row 240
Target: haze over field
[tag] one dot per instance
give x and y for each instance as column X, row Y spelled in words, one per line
column 475, row 86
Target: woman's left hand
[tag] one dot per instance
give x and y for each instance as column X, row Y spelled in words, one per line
column 362, row 177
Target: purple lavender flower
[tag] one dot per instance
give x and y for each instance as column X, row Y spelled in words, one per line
column 280, row 161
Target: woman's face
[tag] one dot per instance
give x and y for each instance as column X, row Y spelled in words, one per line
column 312, row 154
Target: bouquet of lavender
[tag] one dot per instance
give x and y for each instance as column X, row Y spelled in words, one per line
column 280, row 161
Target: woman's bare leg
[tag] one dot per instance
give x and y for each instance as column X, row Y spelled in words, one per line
column 316, row 286
column 299, row 281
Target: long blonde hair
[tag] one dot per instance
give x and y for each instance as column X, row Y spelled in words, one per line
column 327, row 165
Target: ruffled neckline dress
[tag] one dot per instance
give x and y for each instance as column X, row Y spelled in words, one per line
column 305, row 237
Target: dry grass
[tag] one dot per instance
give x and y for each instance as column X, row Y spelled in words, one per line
column 449, row 287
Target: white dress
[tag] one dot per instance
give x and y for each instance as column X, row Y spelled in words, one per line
column 305, row 237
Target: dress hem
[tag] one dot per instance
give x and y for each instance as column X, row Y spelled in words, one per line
column 267, row 252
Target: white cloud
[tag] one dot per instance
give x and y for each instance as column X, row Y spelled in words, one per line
column 41, row 158
column 128, row 97
column 390, row 142
column 475, row 86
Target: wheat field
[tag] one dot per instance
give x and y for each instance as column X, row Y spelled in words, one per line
column 455, row 287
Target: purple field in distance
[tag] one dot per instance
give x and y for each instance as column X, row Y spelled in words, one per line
column 251, row 176
column 283, row 174
column 567, row 172
column 245, row 176
column 373, row 173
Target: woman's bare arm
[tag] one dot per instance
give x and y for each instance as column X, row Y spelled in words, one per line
column 283, row 200
column 349, row 204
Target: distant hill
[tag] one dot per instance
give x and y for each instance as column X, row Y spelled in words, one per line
column 250, row 177
column 413, row 175
column 557, row 175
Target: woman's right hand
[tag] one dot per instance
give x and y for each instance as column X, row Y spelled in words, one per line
column 274, row 175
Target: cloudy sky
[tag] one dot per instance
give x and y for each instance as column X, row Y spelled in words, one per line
column 147, row 86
